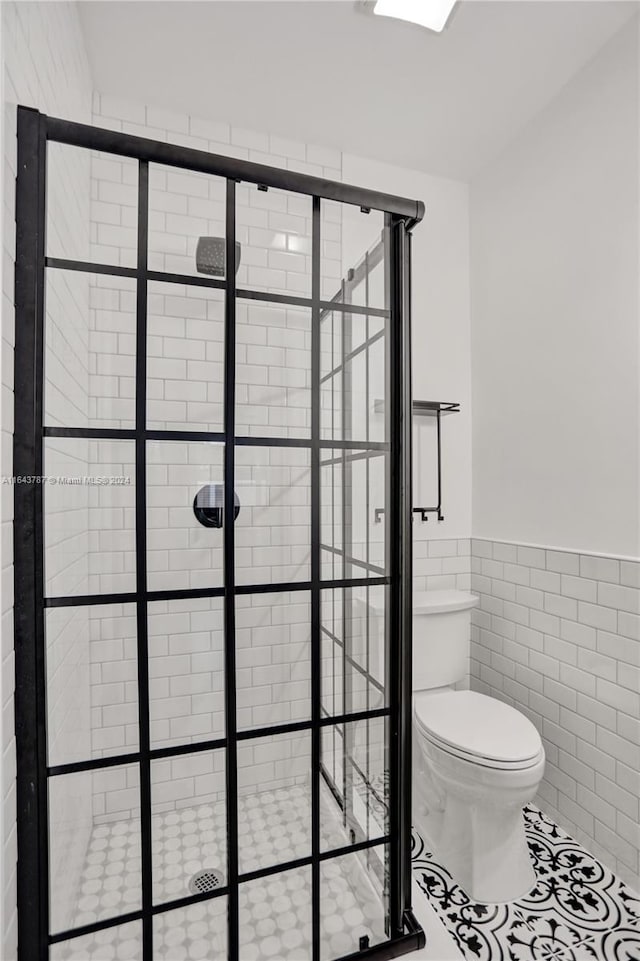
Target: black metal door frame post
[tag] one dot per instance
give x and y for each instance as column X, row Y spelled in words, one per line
column 34, row 771
column 30, row 693
column 401, row 553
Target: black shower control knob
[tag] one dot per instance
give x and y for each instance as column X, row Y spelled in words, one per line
column 208, row 505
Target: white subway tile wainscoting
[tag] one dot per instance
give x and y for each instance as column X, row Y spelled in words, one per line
column 557, row 634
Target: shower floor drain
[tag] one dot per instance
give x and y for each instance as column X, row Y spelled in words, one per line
column 207, row 880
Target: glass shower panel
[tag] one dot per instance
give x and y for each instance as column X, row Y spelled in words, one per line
column 94, row 846
column 332, row 652
column 273, row 659
column 356, row 427
column 186, row 222
column 366, row 777
column 96, row 221
column 275, row 917
column 332, row 755
column 354, row 389
column 274, row 230
column 273, row 527
column 377, row 291
column 195, row 933
column 333, row 255
column 92, row 682
column 331, row 367
column 368, row 642
column 274, row 806
column 89, row 502
column 353, row 650
column 188, row 824
column 331, row 514
column 370, row 283
column 345, row 267
column 353, row 896
column 181, row 551
column 353, row 498
column 334, row 832
column 378, row 487
column 377, row 398
column 90, row 324
column 273, row 370
column 185, row 357
column 119, row 941
column 186, row 671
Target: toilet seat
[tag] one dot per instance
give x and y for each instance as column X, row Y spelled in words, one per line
column 478, row 729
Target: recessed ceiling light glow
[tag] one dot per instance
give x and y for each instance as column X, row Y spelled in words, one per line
column 432, row 14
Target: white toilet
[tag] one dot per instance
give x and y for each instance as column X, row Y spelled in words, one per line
column 477, row 761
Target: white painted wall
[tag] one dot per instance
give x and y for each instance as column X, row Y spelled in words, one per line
column 554, row 231
column 555, row 376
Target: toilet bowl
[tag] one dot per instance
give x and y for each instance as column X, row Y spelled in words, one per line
column 476, row 760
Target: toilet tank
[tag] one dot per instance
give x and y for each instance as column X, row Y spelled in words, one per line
column 441, row 637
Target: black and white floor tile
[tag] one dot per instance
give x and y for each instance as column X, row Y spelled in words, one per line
column 577, row 911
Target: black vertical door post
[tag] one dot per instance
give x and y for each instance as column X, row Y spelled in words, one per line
column 30, row 695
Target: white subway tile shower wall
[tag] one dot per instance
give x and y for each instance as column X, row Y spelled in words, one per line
column 185, row 391
column 96, row 551
column 557, row 635
column 273, row 659
column 45, row 66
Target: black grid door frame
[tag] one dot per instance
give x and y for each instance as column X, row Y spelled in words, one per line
column 33, row 771
column 341, row 373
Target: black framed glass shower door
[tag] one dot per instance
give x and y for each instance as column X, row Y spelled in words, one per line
column 182, row 686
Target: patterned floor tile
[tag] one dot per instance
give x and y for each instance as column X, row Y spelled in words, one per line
column 623, row 944
column 577, row 905
column 481, row 931
column 572, row 886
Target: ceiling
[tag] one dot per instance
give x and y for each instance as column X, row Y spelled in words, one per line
column 327, row 72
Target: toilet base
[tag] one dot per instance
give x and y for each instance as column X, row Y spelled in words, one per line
column 475, row 828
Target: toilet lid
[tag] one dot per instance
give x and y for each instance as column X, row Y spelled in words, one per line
column 477, row 725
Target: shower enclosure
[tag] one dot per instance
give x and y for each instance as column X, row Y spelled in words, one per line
column 213, row 716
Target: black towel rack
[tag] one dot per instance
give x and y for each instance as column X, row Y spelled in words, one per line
column 426, row 408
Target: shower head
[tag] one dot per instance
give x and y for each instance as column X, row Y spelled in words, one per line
column 211, row 254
